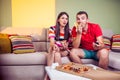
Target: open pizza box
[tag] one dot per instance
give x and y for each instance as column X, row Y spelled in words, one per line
column 100, row 74
column 95, row 73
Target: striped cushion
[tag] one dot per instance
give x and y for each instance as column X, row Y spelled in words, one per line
column 107, row 43
column 115, row 43
column 22, row 44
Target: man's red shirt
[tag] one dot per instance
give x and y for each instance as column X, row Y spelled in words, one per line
column 87, row 39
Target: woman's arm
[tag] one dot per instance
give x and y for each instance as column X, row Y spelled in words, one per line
column 53, row 46
column 52, row 42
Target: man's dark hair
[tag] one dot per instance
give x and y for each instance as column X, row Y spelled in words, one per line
column 82, row 12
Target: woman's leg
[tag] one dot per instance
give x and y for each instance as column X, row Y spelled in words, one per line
column 50, row 60
column 57, row 57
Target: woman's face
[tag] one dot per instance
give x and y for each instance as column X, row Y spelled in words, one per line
column 63, row 20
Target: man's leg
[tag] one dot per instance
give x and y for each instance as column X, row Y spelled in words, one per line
column 103, row 56
column 76, row 54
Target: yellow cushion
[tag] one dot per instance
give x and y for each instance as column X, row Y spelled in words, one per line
column 5, row 44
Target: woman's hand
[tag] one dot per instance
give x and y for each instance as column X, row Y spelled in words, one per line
column 56, row 48
column 64, row 44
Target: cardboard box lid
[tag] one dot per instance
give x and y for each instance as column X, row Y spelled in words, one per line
column 101, row 74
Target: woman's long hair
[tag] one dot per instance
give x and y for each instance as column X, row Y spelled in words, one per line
column 66, row 30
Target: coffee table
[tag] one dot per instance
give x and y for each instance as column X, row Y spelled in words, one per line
column 58, row 75
column 96, row 73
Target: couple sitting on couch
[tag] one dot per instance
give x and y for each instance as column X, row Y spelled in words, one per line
column 85, row 38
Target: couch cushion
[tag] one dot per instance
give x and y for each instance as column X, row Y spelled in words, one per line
column 40, row 46
column 5, row 44
column 107, row 33
column 65, row 60
column 23, row 59
column 89, row 61
column 115, row 44
column 37, row 37
column 114, row 60
column 25, row 72
column 84, row 61
column 107, row 42
column 22, row 44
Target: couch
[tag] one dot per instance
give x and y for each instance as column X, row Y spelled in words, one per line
column 26, row 66
column 31, row 66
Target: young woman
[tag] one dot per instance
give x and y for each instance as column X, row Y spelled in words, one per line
column 59, row 36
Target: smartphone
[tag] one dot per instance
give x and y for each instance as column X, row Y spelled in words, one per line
column 97, row 42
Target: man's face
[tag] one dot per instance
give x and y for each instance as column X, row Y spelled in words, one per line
column 82, row 19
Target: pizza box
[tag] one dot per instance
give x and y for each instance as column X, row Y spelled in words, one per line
column 95, row 73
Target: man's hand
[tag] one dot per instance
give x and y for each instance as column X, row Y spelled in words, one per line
column 79, row 28
column 96, row 45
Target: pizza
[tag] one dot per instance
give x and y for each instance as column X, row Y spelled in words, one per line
column 74, row 68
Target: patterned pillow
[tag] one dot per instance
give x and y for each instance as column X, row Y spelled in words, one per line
column 107, row 42
column 5, row 44
column 22, row 44
column 115, row 43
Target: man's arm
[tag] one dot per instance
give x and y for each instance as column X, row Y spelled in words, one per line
column 76, row 40
column 100, row 43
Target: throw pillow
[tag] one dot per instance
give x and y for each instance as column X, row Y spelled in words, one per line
column 115, row 43
column 5, row 44
column 22, row 44
column 107, row 42
column 35, row 37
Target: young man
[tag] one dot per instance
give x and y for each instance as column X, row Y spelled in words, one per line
column 88, row 41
